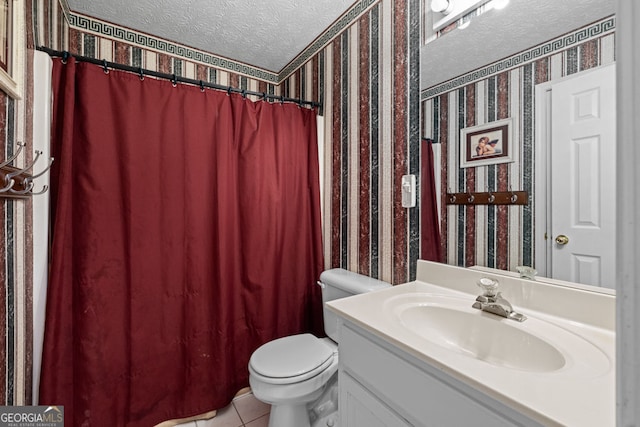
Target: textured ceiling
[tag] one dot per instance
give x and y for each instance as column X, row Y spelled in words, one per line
column 264, row 33
column 501, row 33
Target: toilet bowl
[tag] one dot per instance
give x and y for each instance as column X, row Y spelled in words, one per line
column 297, row 375
column 291, row 372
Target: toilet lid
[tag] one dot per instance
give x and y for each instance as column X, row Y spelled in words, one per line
column 293, row 356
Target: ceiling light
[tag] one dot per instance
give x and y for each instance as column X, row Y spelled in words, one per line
column 442, row 6
column 498, row 4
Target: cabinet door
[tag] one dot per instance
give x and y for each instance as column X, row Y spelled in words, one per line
column 359, row 408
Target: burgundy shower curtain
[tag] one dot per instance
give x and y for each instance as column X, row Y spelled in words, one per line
column 430, row 247
column 186, row 234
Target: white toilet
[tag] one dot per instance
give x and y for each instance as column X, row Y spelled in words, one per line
column 297, row 375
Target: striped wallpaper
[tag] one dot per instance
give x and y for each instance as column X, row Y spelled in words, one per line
column 369, row 78
column 502, row 236
column 12, row 277
column 365, row 71
column 16, row 246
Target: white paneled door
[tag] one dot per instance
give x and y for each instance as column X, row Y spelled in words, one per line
column 583, row 179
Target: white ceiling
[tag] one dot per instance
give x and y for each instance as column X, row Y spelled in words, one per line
column 267, row 34
column 499, row 34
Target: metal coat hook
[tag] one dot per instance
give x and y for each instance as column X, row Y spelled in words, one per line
column 18, row 183
column 44, row 190
column 492, row 197
column 45, row 170
column 471, row 197
column 8, row 186
column 28, row 187
column 17, row 153
column 514, row 196
column 22, row 171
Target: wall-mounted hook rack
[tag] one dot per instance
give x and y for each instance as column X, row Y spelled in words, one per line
column 17, row 183
column 488, row 198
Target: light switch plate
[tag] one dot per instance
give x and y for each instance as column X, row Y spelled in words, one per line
column 408, row 191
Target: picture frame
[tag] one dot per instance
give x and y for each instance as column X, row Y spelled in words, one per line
column 487, row 144
column 6, row 19
column 12, row 46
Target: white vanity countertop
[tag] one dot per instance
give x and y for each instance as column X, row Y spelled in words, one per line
column 574, row 395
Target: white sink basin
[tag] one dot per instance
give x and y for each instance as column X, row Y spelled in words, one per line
column 533, row 345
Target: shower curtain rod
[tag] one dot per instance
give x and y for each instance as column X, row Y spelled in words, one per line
column 174, row 78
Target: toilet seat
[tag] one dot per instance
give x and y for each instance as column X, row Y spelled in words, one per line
column 291, row 359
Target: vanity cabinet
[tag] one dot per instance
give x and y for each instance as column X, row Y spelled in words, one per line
column 362, row 408
column 381, row 385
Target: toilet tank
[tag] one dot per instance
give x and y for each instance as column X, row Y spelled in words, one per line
column 339, row 283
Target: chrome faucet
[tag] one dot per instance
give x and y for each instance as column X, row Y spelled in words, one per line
column 492, row 301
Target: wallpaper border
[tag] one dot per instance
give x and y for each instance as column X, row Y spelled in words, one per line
column 344, row 21
column 598, row 29
column 116, row 32
column 105, row 29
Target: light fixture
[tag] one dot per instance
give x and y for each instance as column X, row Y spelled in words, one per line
column 442, row 6
column 497, row 4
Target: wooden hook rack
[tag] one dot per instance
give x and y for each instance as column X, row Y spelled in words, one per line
column 489, row 198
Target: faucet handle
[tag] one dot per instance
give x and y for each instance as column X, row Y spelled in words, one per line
column 489, row 286
column 526, row 272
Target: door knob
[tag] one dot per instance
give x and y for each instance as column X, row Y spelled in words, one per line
column 562, row 239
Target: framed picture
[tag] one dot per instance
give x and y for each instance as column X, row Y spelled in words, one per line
column 487, row 144
column 11, row 50
column 5, row 34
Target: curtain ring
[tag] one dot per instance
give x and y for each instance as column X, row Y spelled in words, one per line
column 264, row 96
column 141, row 73
column 174, row 81
column 201, row 86
column 65, row 57
column 104, row 66
column 281, row 99
column 244, row 93
column 229, row 91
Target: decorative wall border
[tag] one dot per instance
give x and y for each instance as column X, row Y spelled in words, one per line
column 329, row 34
column 115, row 32
column 596, row 30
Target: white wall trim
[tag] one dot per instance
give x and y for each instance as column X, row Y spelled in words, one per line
column 541, row 162
column 42, row 65
column 628, row 206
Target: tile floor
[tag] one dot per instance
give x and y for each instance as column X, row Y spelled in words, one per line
column 244, row 411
